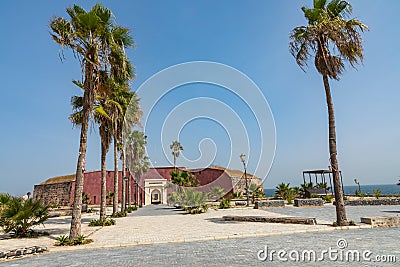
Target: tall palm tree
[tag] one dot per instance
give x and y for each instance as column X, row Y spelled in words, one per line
column 137, row 160
column 90, row 36
column 121, row 117
column 176, row 147
column 332, row 40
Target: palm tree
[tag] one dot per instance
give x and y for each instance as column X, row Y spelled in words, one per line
column 90, row 34
column 103, row 120
column 137, row 160
column 176, row 147
column 328, row 32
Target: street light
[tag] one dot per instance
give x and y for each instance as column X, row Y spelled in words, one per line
column 243, row 159
column 125, row 181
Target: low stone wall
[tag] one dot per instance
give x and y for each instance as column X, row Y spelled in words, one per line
column 21, row 251
column 264, row 204
column 265, row 219
column 373, row 202
column 382, row 221
column 313, row 202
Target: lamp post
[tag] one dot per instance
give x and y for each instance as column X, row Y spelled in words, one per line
column 125, row 180
column 243, row 159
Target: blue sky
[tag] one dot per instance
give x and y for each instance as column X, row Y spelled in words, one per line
column 38, row 141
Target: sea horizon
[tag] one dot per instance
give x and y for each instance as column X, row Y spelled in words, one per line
column 386, row 189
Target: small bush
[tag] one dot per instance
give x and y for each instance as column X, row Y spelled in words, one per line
column 131, row 208
column 63, row 240
column 377, row 193
column 18, row 216
column 345, row 198
column 225, row 203
column 334, row 224
column 196, row 209
column 119, row 214
column 90, row 210
column 327, row 198
column 352, row 223
column 55, row 206
column 102, row 222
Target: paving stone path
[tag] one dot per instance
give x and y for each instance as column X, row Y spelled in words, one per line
column 231, row 252
column 165, row 236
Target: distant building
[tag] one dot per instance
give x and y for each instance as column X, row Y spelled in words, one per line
column 148, row 189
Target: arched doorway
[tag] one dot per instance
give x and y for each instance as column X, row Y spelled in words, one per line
column 156, row 197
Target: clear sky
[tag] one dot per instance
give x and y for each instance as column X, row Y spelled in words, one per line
column 38, row 141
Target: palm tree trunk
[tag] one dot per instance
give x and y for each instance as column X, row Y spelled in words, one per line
column 103, row 183
column 123, row 202
column 75, row 229
column 337, row 184
column 115, row 203
column 88, row 99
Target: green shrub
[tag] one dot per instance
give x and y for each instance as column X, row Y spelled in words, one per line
column 119, row 214
column 352, row 223
column 131, row 208
column 334, row 224
column 189, row 199
column 225, row 203
column 102, row 222
column 196, row 209
column 19, row 216
column 90, row 210
column 63, row 240
column 55, row 206
column 287, row 193
column 377, row 193
column 327, row 198
column 216, row 193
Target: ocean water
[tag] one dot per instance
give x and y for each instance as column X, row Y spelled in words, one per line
column 386, row 189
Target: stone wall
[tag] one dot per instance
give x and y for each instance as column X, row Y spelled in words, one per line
column 308, row 202
column 59, row 193
column 263, row 204
column 373, row 202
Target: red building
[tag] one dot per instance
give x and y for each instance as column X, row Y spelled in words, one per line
column 146, row 190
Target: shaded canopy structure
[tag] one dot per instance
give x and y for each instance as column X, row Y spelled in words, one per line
column 321, row 175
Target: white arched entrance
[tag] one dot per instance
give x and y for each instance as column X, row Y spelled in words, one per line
column 155, row 191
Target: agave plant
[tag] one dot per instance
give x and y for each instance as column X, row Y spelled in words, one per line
column 18, row 216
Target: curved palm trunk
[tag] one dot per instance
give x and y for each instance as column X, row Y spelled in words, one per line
column 115, row 202
column 123, row 202
column 337, row 184
column 88, row 99
column 103, row 202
